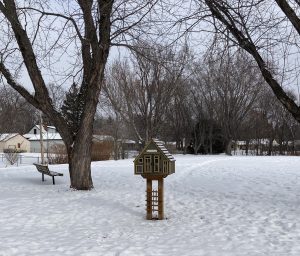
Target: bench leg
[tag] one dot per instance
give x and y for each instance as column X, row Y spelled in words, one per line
column 43, row 179
column 53, row 180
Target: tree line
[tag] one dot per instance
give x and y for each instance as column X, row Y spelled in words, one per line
column 204, row 105
column 71, row 42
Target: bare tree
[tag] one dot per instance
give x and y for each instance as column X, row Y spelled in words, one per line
column 259, row 28
column 38, row 33
column 16, row 115
column 141, row 90
column 178, row 117
column 231, row 85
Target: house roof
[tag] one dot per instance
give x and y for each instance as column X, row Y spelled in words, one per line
column 38, row 127
column 44, row 129
column 7, row 136
column 160, row 145
column 49, row 136
column 126, row 141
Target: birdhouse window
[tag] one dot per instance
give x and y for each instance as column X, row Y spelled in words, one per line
column 156, row 163
column 147, row 163
column 139, row 169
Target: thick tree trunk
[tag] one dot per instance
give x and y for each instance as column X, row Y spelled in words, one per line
column 80, row 171
column 80, row 163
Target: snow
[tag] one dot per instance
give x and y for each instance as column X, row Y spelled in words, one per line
column 7, row 136
column 45, row 136
column 214, row 205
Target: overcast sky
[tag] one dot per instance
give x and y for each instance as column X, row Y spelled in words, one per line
column 65, row 59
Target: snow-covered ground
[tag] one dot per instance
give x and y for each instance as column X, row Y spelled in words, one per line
column 214, row 205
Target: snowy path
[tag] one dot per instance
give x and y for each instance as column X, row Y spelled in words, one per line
column 215, row 206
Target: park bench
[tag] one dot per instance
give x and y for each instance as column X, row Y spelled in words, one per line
column 45, row 171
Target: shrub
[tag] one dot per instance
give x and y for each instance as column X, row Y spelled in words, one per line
column 58, row 154
column 102, row 150
column 11, row 155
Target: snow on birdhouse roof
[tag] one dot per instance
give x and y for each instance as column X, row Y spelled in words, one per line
column 162, row 147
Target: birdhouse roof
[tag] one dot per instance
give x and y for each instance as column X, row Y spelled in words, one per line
column 163, row 149
column 160, row 145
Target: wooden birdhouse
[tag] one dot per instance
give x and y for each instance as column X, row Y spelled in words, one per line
column 154, row 163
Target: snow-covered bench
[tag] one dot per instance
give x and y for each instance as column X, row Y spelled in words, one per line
column 45, row 170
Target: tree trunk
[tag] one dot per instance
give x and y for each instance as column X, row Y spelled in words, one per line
column 80, row 158
column 293, row 147
column 228, row 147
column 280, row 148
column 247, row 147
column 270, row 147
column 210, row 138
column 80, row 164
column 116, row 149
column 257, row 146
column 195, row 149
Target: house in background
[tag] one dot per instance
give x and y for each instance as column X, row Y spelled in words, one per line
column 14, row 141
column 50, row 137
column 35, row 130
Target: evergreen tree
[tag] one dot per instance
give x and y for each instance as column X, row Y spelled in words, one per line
column 72, row 108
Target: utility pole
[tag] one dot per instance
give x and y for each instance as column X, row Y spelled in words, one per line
column 41, row 138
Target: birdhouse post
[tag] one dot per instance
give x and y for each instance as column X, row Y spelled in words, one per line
column 154, row 163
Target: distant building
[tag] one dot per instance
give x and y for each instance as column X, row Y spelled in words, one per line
column 14, row 141
column 101, row 138
column 45, row 129
column 253, row 143
column 50, row 138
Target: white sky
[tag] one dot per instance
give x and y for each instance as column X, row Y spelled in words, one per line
column 198, row 41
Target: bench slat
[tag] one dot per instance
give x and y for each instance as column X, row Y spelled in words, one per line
column 45, row 170
column 55, row 173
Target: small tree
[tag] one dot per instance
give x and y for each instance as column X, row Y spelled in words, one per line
column 11, row 155
column 72, row 108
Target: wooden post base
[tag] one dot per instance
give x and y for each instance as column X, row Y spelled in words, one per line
column 155, row 199
column 149, row 199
